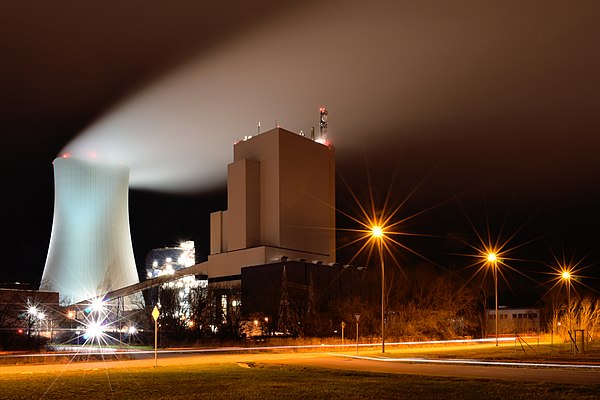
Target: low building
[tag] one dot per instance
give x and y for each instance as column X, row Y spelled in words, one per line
column 513, row 320
column 27, row 313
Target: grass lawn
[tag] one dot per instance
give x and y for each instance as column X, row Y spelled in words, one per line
column 265, row 381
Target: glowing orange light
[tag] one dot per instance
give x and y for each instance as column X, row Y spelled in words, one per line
column 377, row 231
column 566, row 275
column 492, row 257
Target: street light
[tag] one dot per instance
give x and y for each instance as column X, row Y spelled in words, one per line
column 566, row 277
column 357, row 316
column 33, row 313
column 378, row 234
column 492, row 259
column 131, row 330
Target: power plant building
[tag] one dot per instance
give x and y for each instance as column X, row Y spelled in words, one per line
column 90, row 250
column 280, row 205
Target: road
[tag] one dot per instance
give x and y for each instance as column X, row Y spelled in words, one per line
column 565, row 374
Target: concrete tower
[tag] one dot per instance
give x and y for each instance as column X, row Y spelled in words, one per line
column 281, row 203
column 90, row 250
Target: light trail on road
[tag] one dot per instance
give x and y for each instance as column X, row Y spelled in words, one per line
column 469, row 362
column 103, row 351
column 110, row 350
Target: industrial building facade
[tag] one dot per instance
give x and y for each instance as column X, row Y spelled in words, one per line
column 292, row 295
column 280, row 203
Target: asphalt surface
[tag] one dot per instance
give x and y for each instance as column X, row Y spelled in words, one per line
column 559, row 374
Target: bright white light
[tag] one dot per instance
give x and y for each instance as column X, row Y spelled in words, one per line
column 98, row 305
column 94, row 330
column 187, row 245
column 131, row 330
column 32, row 311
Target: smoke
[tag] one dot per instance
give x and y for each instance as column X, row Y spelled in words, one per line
column 386, row 71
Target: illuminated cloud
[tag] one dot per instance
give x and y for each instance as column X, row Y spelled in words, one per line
column 384, row 69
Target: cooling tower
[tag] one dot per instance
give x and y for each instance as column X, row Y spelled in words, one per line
column 90, row 250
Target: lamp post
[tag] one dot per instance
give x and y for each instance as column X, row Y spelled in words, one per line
column 131, row 331
column 492, row 258
column 32, row 312
column 71, row 317
column 377, row 233
column 41, row 317
column 566, row 277
column 357, row 316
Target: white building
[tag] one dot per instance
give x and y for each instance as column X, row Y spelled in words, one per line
column 514, row 320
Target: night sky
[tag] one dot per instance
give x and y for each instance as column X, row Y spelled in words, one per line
column 488, row 111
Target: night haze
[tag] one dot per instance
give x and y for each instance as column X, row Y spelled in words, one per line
column 486, row 110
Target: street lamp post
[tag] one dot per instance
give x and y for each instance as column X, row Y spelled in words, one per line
column 357, row 316
column 377, row 233
column 493, row 260
column 382, row 300
column 31, row 318
column 566, row 276
column 71, row 317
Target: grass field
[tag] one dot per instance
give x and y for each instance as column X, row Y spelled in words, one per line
column 268, row 381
